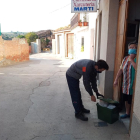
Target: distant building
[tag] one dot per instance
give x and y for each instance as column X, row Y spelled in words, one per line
column 48, row 34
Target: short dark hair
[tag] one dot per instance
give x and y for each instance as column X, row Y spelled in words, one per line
column 134, row 42
column 102, row 64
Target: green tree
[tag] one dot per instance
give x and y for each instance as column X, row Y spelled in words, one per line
column 43, row 43
column 47, row 41
column 31, row 37
column 20, row 36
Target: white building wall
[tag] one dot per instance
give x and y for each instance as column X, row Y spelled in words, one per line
column 38, row 42
column 92, row 45
column 77, row 44
column 53, row 46
column 134, row 13
column 63, row 45
column 92, row 26
column 92, row 20
column 36, row 46
column 88, row 33
column 60, row 44
column 135, row 129
column 106, row 43
column 56, row 38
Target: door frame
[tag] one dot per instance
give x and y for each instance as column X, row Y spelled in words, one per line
column 117, row 91
column 67, row 45
column 121, row 37
column 132, row 105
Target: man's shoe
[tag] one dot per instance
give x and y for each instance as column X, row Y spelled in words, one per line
column 124, row 116
column 81, row 116
column 85, row 110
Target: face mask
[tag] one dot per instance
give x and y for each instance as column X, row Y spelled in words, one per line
column 132, row 51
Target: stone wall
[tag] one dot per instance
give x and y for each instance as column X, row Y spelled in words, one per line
column 12, row 51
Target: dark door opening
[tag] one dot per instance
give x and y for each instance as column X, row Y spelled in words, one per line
column 132, row 35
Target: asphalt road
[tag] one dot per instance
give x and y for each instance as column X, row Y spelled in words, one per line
column 35, row 104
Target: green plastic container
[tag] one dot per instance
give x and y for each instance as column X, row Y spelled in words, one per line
column 108, row 115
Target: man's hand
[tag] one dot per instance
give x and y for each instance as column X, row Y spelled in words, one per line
column 99, row 95
column 93, row 98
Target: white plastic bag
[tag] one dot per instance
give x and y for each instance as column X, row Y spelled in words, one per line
column 103, row 104
column 111, row 106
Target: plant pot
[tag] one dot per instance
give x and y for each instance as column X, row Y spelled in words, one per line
column 85, row 23
column 80, row 23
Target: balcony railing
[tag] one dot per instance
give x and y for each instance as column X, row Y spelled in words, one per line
column 74, row 20
column 77, row 17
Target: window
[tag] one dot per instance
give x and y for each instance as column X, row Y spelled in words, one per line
column 82, row 44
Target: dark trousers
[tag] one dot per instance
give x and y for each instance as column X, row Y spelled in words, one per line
column 75, row 93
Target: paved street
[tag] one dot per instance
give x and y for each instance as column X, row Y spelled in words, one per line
column 35, row 104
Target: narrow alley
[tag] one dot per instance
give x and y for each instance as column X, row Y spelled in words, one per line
column 35, row 104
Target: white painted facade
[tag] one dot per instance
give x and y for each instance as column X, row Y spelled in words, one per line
column 107, row 23
column 36, row 46
column 86, row 32
column 59, row 43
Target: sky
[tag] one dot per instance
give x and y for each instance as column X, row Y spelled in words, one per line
column 34, row 15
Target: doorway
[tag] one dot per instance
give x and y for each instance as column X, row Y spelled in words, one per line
column 70, row 45
column 128, row 31
column 59, row 44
